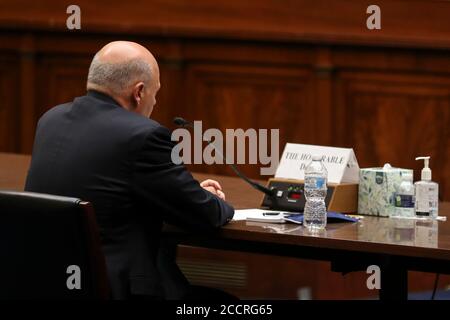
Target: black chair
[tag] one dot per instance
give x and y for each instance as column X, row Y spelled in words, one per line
column 47, row 244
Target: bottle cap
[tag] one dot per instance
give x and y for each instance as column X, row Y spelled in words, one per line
column 426, row 171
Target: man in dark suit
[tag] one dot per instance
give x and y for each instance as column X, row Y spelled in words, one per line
column 104, row 148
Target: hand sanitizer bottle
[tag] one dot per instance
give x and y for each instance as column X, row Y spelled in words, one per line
column 426, row 193
column 404, row 197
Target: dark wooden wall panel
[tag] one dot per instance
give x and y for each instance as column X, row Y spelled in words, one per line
column 309, row 68
column 61, row 78
column 396, row 117
column 404, row 22
column 236, row 96
column 9, row 103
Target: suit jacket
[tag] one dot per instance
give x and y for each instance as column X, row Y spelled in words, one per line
column 120, row 161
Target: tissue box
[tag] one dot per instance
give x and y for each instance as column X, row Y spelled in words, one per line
column 377, row 188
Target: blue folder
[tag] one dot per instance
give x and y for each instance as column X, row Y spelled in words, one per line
column 331, row 217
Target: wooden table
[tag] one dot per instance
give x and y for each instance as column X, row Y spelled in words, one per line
column 13, row 171
column 394, row 245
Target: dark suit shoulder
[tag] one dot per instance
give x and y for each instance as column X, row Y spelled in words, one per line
column 56, row 111
column 143, row 126
column 127, row 121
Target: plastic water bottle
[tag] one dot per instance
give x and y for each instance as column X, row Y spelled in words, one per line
column 316, row 176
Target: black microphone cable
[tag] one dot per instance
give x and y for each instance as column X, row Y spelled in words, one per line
column 436, row 281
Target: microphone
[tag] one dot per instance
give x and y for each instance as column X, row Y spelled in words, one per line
column 182, row 122
column 269, row 192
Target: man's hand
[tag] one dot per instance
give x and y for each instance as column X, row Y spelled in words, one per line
column 214, row 187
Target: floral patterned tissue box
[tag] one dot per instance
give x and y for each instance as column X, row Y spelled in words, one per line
column 377, row 188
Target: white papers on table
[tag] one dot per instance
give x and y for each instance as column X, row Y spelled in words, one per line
column 260, row 215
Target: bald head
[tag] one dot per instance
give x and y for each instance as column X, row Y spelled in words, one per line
column 120, row 68
column 123, row 51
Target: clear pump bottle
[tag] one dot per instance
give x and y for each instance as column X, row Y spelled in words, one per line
column 426, row 193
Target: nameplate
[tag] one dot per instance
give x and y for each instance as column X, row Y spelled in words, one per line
column 341, row 163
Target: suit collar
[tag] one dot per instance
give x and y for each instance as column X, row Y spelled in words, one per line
column 102, row 96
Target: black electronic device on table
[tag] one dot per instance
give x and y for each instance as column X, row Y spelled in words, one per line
column 289, row 196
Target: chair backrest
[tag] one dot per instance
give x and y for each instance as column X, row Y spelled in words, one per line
column 49, row 248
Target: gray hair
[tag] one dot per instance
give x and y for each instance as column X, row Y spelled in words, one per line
column 117, row 77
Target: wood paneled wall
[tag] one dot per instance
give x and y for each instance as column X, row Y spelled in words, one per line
column 310, row 68
column 390, row 105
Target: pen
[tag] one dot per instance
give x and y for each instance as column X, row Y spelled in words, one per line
column 271, row 213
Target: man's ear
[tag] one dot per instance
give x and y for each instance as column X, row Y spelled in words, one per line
column 138, row 91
